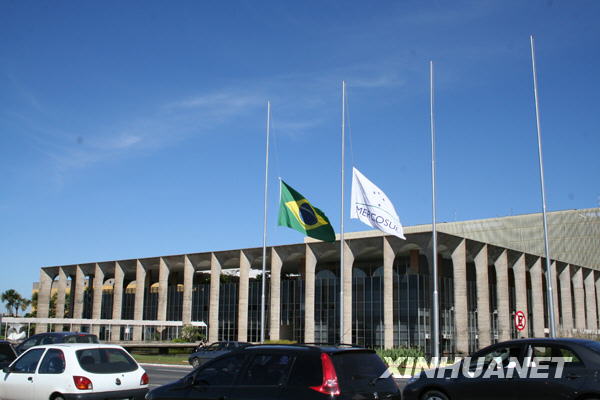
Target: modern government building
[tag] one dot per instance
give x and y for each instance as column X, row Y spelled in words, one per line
column 488, row 270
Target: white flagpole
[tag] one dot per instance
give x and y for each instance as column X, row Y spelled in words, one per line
column 435, row 317
column 264, row 253
column 342, row 216
column 549, row 291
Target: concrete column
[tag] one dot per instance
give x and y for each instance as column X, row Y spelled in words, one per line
column 115, row 333
column 348, row 263
column 275, row 292
column 163, row 289
column 461, row 314
column 43, row 302
column 555, row 290
column 242, row 322
column 213, row 310
column 597, row 279
column 483, row 297
column 520, row 272
column 590, row 300
column 140, row 288
column 188, row 282
column 310, row 265
column 579, row 295
column 537, row 299
column 77, row 294
column 61, row 291
column 566, row 299
column 504, row 319
column 388, row 293
column 97, row 286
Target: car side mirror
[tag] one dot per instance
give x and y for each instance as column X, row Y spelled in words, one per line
column 6, row 370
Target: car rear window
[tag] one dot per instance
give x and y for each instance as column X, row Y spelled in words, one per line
column 307, row 371
column 358, row 368
column 81, row 339
column 106, row 360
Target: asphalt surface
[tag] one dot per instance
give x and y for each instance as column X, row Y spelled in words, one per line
column 163, row 374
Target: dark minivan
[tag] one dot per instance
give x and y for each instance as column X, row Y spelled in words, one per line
column 56, row 337
column 291, row 372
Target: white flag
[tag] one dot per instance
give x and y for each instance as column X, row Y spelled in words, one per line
column 372, row 206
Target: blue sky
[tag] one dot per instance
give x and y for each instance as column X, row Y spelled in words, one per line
column 137, row 129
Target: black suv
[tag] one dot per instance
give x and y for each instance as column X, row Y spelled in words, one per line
column 56, row 337
column 294, row 372
column 7, row 354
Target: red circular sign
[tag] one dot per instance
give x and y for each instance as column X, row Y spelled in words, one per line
column 520, row 320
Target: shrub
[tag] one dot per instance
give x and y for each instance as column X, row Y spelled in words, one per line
column 191, row 334
column 395, row 353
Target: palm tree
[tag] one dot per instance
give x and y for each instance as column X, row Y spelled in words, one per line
column 14, row 301
column 24, row 303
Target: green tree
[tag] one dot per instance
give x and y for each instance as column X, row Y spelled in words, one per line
column 14, row 302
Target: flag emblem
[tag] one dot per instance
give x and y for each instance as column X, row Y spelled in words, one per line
column 296, row 212
column 371, row 206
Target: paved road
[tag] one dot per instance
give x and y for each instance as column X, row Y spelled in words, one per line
column 160, row 375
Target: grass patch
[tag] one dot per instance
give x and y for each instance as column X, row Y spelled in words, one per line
column 174, row 359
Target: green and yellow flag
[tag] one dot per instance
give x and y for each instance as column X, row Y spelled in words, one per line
column 297, row 213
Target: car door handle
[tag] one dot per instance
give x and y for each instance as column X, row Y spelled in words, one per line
column 30, row 379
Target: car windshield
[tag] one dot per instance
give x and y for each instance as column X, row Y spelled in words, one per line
column 106, row 360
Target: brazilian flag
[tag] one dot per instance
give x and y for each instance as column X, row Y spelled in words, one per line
column 297, row 213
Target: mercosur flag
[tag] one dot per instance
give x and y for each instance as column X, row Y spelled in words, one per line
column 372, row 206
column 297, row 213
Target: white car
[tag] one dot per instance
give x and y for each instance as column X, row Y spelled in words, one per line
column 74, row 371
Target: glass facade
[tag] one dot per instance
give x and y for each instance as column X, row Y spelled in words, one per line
column 327, row 300
column 128, row 305
column 174, row 302
column 107, row 304
column 151, row 303
column 228, row 308
column 411, row 305
column 292, row 308
column 367, row 306
column 254, row 308
column 200, row 302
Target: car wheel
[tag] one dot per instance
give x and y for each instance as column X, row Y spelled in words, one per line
column 434, row 395
column 58, row 397
column 195, row 362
